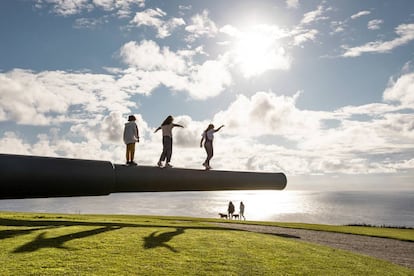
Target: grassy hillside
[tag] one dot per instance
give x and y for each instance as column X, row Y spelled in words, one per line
column 404, row 234
column 47, row 244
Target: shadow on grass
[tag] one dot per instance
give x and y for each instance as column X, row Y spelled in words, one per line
column 41, row 241
column 284, row 235
column 161, row 240
column 57, row 242
column 5, row 234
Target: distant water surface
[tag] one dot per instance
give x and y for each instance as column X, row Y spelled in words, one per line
column 394, row 208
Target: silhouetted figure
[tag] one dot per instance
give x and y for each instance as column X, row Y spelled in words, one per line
column 167, row 140
column 161, row 240
column 230, row 209
column 131, row 136
column 241, row 211
column 42, row 241
column 207, row 137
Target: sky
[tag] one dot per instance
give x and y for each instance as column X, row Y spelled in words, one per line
column 320, row 90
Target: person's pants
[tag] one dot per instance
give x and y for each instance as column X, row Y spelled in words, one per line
column 208, row 145
column 130, row 152
column 166, row 148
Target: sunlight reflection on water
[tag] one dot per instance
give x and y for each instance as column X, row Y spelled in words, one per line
column 342, row 207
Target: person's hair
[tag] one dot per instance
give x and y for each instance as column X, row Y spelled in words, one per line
column 168, row 120
column 131, row 118
column 210, row 126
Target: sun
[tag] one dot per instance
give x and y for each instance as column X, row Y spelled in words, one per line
column 257, row 51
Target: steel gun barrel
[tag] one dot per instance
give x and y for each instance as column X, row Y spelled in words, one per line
column 24, row 176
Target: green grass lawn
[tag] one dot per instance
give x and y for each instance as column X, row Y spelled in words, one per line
column 406, row 234
column 50, row 244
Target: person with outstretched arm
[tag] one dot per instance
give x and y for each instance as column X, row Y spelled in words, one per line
column 167, row 141
column 207, row 137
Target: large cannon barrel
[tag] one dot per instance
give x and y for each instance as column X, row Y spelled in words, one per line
column 153, row 179
column 34, row 176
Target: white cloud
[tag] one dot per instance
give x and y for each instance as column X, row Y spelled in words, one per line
column 10, row 143
column 340, row 26
column 72, row 7
column 201, row 81
column 352, row 146
column 148, row 56
column 184, row 7
column 315, row 15
column 337, row 26
column 108, row 129
column 104, row 4
column 374, row 24
column 66, row 7
column 47, row 145
column 112, row 127
column 359, row 14
column 153, row 66
column 306, row 35
column 88, row 23
column 201, row 25
column 151, row 17
column 189, row 136
column 230, row 30
column 383, row 143
column 50, row 97
column 268, row 114
column 401, row 90
column 292, row 4
column 124, row 7
column 404, row 31
column 350, row 136
column 373, row 110
column 25, row 99
column 99, row 138
column 209, row 79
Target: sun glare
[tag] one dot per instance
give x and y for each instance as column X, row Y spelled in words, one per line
column 263, row 205
column 258, row 51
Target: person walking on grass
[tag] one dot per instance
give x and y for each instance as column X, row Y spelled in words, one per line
column 207, row 137
column 241, row 211
column 167, row 140
column 230, row 210
column 131, row 136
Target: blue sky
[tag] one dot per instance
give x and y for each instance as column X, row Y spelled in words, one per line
column 321, row 90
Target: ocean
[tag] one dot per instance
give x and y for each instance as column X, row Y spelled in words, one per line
column 390, row 208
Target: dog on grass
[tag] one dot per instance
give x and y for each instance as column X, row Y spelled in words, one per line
column 235, row 216
column 223, row 215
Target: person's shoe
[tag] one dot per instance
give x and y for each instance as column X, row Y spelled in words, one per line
column 128, row 162
column 208, row 167
column 159, row 164
column 132, row 163
column 168, row 165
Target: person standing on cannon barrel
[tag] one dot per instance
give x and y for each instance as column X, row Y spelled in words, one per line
column 131, row 136
column 167, row 141
column 207, row 137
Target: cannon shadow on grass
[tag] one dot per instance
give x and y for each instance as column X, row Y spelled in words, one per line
column 155, row 239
